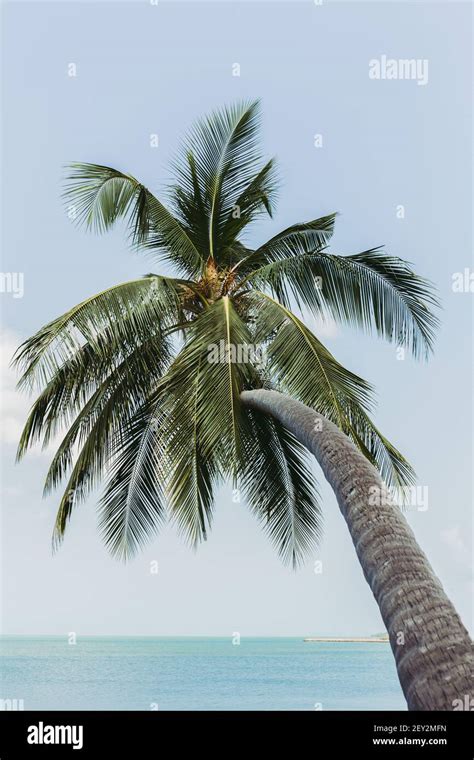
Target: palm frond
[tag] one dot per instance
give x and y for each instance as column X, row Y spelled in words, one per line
column 133, row 505
column 110, row 322
column 88, row 469
column 109, row 408
column 370, row 290
column 209, row 354
column 220, row 166
column 300, row 364
column 375, row 291
column 258, row 197
column 392, row 465
column 298, row 239
column 193, row 474
column 280, row 488
column 98, row 196
column 291, row 281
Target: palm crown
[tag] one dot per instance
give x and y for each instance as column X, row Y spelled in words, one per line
column 147, row 375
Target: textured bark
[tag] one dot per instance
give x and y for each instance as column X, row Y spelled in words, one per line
column 432, row 648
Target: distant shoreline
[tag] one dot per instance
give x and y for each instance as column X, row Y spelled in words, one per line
column 354, row 639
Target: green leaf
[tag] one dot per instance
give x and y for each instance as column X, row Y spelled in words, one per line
column 220, row 167
column 374, row 291
column 111, row 323
column 109, row 409
column 192, row 473
column 392, row 465
column 280, row 488
column 298, row 239
column 302, row 366
column 210, row 354
column 133, row 506
column 99, row 195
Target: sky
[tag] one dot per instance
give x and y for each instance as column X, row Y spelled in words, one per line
column 393, row 157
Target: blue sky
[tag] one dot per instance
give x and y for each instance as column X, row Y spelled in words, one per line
column 146, row 69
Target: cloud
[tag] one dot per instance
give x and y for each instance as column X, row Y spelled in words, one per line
column 14, row 406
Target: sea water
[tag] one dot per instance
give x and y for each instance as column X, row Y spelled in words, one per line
column 186, row 673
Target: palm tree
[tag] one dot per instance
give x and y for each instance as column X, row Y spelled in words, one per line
column 432, row 649
column 167, row 386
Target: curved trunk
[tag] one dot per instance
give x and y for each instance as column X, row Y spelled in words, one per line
column 432, row 648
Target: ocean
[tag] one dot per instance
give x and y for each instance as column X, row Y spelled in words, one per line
column 186, row 673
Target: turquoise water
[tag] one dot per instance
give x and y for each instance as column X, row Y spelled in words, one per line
column 102, row 673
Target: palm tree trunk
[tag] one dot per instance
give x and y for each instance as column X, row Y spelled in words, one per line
column 432, row 648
